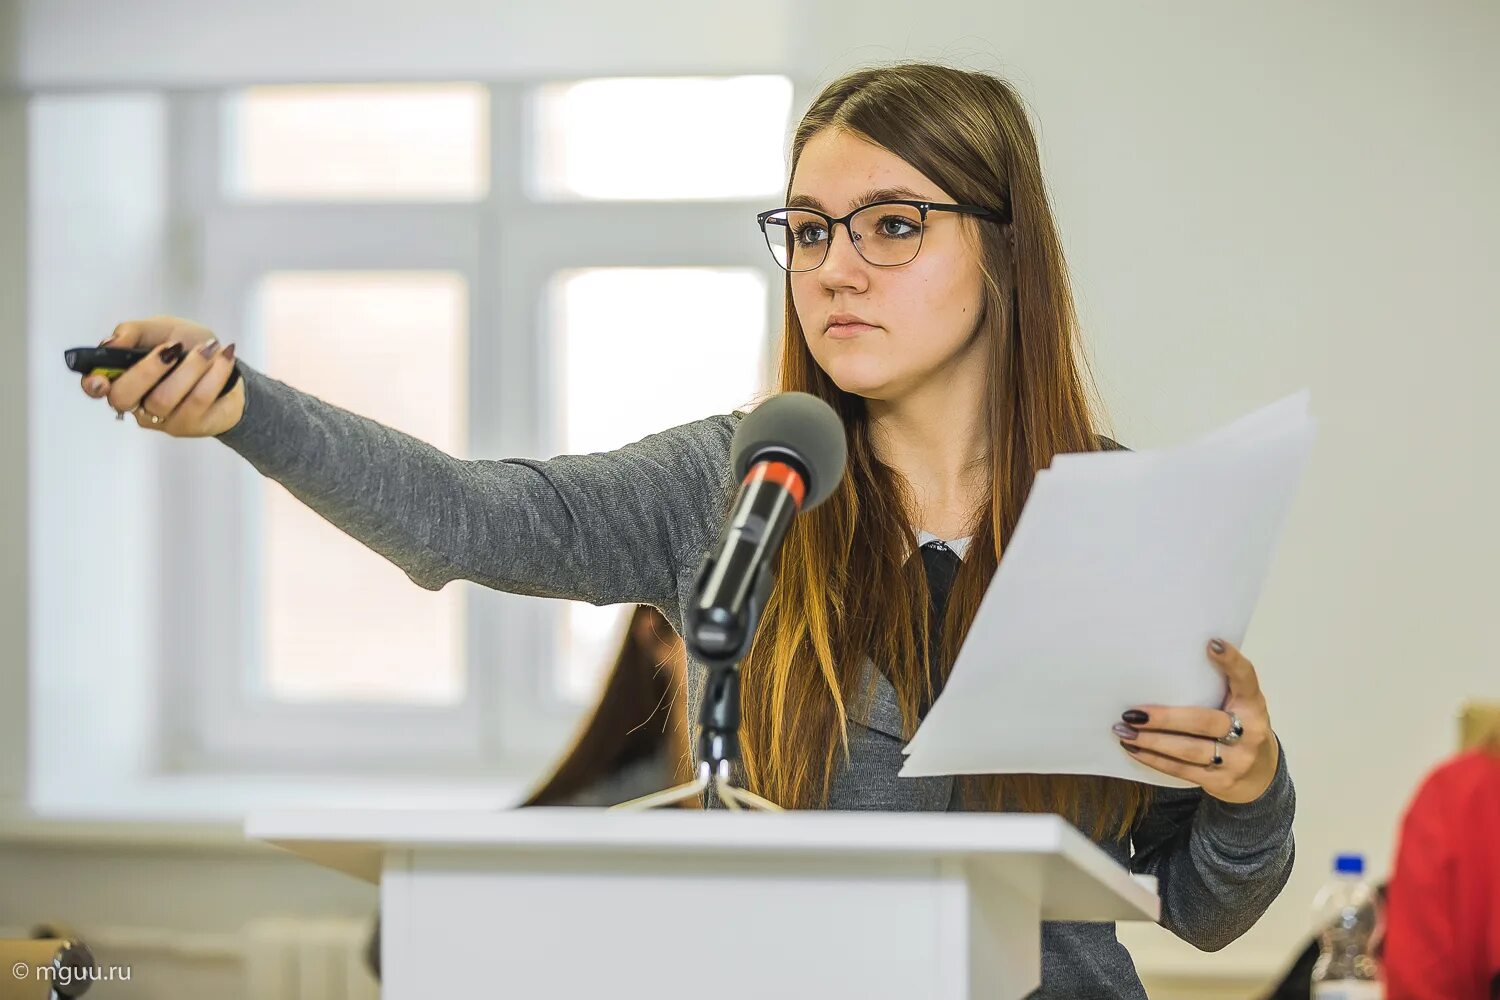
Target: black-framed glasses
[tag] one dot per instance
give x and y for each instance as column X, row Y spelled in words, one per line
column 886, row 233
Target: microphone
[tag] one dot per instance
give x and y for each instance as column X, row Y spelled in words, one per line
column 789, row 454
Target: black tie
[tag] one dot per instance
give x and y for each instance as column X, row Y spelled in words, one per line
column 941, row 564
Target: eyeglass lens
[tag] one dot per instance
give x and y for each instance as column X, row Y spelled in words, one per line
column 885, row 235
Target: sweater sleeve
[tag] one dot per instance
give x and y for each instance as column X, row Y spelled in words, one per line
column 1218, row 865
column 606, row 528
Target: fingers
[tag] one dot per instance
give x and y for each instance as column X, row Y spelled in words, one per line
column 191, row 414
column 1196, row 750
column 133, row 384
column 1210, row 722
column 1188, row 733
column 162, row 400
column 156, row 335
column 1183, row 741
column 1210, row 778
column 136, row 334
column 1243, row 680
column 1243, row 775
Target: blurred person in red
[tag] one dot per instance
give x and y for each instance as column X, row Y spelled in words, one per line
column 1442, row 938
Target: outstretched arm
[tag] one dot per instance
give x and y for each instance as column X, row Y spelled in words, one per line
column 607, row 528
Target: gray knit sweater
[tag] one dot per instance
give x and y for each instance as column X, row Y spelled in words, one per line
column 631, row 525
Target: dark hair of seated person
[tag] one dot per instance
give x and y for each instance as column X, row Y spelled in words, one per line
column 640, row 716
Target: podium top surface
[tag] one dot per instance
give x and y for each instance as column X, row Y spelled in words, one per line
column 356, row 841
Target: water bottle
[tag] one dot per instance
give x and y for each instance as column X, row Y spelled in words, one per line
column 1344, row 919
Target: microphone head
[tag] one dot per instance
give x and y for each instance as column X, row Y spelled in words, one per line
column 799, row 427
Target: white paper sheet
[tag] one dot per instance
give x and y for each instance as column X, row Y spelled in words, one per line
column 1122, row 567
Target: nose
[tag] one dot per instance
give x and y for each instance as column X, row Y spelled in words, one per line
column 843, row 266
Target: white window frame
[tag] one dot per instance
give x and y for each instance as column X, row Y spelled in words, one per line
column 508, row 248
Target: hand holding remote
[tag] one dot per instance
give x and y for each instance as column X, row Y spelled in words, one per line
column 175, row 387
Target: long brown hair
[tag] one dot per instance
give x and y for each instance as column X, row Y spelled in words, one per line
column 640, row 712
column 846, row 589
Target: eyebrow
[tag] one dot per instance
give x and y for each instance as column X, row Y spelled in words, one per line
column 874, row 195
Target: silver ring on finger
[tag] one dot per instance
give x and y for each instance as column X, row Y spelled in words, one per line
column 1218, row 755
column 1236, row 731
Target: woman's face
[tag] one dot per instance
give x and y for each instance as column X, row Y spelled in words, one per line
column 921, row 318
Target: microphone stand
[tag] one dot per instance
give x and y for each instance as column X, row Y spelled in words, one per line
column 719, row 715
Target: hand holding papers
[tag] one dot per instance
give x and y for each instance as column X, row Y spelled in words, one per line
column 1122, row 567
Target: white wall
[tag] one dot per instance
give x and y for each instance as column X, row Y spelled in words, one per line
column 82, row 43
column 1254, row 198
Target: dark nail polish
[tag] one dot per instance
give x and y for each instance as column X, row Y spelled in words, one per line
column 1135, row 717
column 229, row 352
column 209, row 349
column 171, row 354
column 1126, row 732
column 1130, row 748
column 1216, row 645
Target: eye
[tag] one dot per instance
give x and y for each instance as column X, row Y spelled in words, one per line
column 808, row 233
column 897, row 227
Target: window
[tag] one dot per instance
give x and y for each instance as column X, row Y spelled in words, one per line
column 357, row 143
column 440, row 259
column 356, row 629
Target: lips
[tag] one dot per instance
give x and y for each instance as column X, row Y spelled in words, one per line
column 842, row 325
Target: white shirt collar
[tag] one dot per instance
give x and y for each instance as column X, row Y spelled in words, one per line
column 958, row 545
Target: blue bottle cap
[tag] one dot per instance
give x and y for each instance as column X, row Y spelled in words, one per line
column 1349, row 864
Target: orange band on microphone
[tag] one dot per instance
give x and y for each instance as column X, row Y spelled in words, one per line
column 780, row 472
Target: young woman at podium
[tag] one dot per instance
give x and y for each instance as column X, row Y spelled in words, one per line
column 928, row 303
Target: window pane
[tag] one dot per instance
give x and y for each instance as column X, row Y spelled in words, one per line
column 343, row 623
column 665, row 138
column 379, row 142
column 632, row 355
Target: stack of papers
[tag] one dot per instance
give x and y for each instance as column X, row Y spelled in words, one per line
column 1123, row 566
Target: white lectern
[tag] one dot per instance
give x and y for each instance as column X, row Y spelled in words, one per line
column 717, row 905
